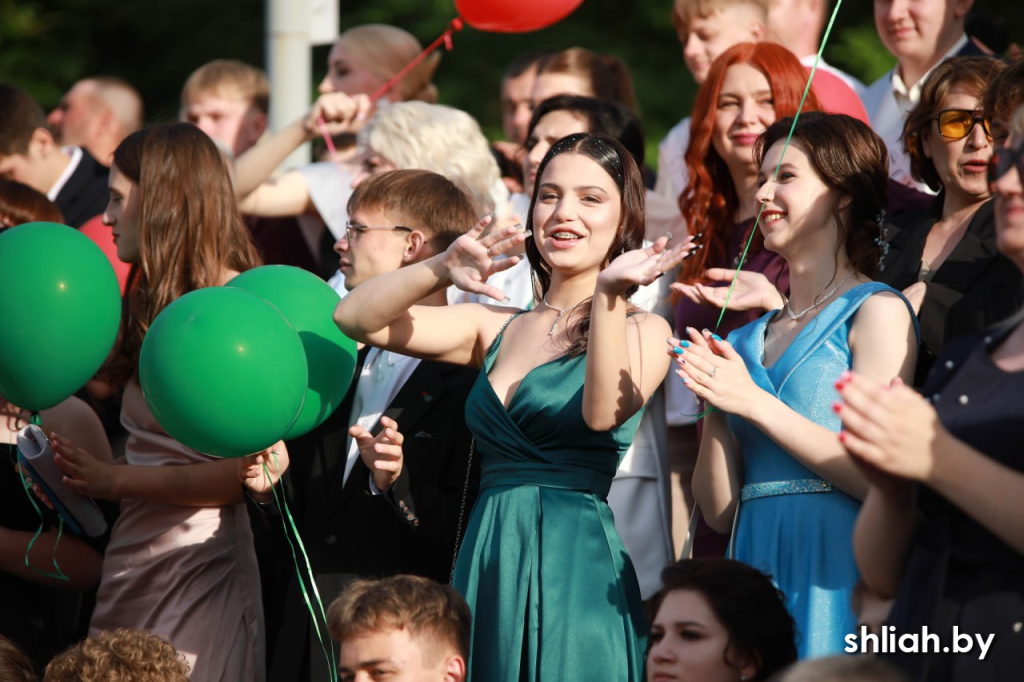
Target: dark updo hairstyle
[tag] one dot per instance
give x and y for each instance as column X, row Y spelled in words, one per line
column 602, row 117
column 851, row 159
column 750, row 608
column 975, row 73
column 619, row 164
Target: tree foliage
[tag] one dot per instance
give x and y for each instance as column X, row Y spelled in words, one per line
column 45, row 45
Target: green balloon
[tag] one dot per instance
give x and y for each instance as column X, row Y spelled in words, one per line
column 223, row 371
column 308, row 303
column 60, row 307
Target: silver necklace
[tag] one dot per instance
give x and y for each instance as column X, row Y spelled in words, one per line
column 821, row 299
column 561, row 312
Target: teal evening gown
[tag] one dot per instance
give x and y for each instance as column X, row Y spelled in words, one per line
column 793, row 525
column 552, row 590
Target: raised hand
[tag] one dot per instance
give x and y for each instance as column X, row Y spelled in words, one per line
column 83, row 473
column 714, row 371
column 891, row 428
column 643, row 266
column 474, row 257
column 753, row 291
column 381, row 454
column 340, row 113
column 253, row 470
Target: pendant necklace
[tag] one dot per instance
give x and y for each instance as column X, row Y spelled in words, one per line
column 561, row 312
column 821, row 299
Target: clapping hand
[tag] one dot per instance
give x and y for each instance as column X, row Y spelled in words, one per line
column 474, row 257
column 642, row 266
column 714, row 371
column 891, row 428
column 382, row 454
column 752, row 291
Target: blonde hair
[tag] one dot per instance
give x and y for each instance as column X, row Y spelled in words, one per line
column 683, row 11
column 438, row 138
column 385, row 50
column 115, row 655
column 231, row 79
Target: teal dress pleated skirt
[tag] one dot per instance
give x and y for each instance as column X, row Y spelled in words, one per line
column 552, row 590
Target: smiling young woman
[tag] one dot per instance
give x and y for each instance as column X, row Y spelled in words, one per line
column 769, row 464
column 554, row 409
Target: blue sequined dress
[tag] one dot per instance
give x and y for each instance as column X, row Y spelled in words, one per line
column 793, row 525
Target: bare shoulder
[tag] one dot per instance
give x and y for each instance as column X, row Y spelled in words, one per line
column 881, row 311
column 652, row 326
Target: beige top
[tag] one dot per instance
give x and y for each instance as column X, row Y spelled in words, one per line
column 187, row 573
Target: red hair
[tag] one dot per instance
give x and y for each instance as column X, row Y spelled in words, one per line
column 709, row 201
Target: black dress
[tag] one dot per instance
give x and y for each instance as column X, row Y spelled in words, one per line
column 959, row 574
column 40, row 620
column 975, row 288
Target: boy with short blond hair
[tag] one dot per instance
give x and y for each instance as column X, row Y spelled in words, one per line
column 228, row 100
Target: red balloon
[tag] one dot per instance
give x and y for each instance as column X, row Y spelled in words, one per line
column 514, row 16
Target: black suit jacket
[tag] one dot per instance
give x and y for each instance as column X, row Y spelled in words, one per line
column 84, row 195
column 349, row 533
column 973, row 289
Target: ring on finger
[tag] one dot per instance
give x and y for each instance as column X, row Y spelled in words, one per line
column 713, row 371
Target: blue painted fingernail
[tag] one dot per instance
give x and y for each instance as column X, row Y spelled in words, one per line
column 684, row 344
column 677, row 350
column 716, row 337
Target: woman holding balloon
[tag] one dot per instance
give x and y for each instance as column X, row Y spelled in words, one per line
column 180, row 561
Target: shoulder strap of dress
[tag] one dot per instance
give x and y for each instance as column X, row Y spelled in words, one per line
column 501, row 332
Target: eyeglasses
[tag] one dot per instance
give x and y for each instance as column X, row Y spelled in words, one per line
column 352, row 231
column 1003, row 159
column 956, row 124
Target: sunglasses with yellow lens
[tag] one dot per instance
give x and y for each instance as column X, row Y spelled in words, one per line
column 956, row 124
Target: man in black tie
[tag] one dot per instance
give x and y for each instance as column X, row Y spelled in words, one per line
column 385, row 485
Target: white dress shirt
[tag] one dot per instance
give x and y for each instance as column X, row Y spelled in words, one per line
column 888, row 100
column 383, row 376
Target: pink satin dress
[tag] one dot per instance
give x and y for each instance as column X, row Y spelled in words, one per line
column 186, row 573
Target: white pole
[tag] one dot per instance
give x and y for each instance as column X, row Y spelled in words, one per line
column 289, row 68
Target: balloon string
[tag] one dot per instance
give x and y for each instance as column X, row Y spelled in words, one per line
column 775, row 175
column 785, row 147
column 57, row 573
column 289, row 522
column 445, row 38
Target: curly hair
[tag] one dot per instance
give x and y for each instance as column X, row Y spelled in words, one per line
column 121, row 655
column 973, row 72
column 751, row 609
column 710, row 201
column 442, row 139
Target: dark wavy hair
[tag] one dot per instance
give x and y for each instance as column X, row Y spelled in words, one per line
column 850, row 158
column 619, row 164
column 750, row 608
column 975, row 73
column 709, row 201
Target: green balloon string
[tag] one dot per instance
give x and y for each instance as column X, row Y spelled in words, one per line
column 785, row 147
column 775, row 175
column 282, row 504
column 57, row 573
